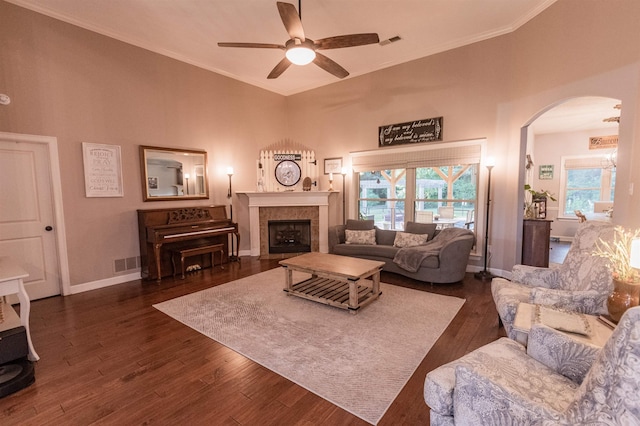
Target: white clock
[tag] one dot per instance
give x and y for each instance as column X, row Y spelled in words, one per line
column 288, row 173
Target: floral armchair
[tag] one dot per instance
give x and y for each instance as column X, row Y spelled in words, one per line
column 581, row 284
column 501, row 384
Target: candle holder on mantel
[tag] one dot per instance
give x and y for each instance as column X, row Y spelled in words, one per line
column 330, row 181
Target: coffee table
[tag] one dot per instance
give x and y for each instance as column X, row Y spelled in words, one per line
column 335, row 280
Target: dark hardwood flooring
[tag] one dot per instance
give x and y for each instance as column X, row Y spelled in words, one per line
column 109, row 357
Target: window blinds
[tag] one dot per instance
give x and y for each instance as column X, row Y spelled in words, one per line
column 441, row 155
column 584, row 162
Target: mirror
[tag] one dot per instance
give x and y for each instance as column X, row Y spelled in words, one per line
column 173, row 174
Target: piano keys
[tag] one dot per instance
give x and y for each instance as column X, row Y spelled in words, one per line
column 163, row 230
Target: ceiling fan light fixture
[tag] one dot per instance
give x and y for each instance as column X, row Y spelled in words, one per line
column 300, row 55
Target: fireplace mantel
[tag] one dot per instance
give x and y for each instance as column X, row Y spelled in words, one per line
column 319, row 199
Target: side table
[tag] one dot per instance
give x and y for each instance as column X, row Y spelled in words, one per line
column 11, row 275
column 525, row 319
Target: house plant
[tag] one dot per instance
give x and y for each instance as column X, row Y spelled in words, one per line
column 626, row 279
column 533, row 198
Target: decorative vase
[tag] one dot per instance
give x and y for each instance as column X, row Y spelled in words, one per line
column 624, row 296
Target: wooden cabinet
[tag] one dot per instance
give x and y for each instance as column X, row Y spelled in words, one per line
column 536, row 238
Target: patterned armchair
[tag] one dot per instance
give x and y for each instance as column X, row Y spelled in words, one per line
column 581, row 284
column 500, row 384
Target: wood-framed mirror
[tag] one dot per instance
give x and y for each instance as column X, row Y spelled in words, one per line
column 173, row 174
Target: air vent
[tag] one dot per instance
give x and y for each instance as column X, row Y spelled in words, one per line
column 127, row 264
column 390, row 40
column 120, row 265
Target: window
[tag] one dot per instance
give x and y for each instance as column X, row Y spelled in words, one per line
column 447, row 186
column 585, row 180
column 432, row 183
column 382, row 197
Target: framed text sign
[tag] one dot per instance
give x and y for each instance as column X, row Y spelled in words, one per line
column 602, row 142
column 333, row 165
column 545, row 172
column 428, row 130
column 102, row 170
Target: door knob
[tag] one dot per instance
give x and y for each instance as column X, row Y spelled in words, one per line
column 49, row 228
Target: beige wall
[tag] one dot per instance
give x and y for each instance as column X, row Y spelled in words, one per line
column 82, row 87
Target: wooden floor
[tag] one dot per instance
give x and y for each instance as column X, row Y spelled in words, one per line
column 109, row 357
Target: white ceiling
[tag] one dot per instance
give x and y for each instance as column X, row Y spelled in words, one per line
column 189, row 30
column 584, row 113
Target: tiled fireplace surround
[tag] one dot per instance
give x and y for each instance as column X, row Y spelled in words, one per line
column 293, row 205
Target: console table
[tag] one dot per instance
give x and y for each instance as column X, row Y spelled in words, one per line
column 11, row 275
column 536, row 238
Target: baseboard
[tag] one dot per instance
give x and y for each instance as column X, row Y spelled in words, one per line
column 94, row 285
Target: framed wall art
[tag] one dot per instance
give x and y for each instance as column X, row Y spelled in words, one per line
column 545, row 172
column 102, row 170
column 333, row 165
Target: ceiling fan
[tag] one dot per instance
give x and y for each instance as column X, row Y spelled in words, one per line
column 301, row 50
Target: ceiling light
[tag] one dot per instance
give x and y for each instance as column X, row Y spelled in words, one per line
column 300, row 55
column 300, row 52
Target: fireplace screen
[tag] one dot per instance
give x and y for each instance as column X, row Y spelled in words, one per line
column 289, row 236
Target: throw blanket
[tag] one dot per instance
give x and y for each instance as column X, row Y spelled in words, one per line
column 410, row 258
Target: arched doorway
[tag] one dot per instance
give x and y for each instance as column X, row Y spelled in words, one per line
column 560, row 146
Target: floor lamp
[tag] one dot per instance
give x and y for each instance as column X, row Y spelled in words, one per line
column 485, row 275
column 232, row 256
column 343, row 172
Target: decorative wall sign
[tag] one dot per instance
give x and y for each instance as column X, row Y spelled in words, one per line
column 603, row 142
column 333, row 165
column 545, row 172
column 102, row 170
column 428, row 130
column 282, row 157
column 273, row 175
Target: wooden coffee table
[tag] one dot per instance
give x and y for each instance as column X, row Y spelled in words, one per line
column 335, row 280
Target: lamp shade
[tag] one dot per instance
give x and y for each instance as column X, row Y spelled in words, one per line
column 634, row 255
column 230, row 171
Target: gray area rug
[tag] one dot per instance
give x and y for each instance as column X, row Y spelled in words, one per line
column 358, row 362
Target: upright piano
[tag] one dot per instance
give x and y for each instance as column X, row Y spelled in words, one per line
column 163, row 230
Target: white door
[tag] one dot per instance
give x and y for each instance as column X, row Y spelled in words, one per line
column 27, row 228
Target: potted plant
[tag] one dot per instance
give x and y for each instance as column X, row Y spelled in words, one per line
column 626, row 279
column 535, row 199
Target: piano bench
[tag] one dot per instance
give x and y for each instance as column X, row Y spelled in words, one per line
column 196, row 251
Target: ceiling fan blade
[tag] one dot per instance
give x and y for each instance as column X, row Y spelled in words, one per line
column 350, row 40
column 291, row 20
column 330, row 66
column 279, row 69
column 254, row 45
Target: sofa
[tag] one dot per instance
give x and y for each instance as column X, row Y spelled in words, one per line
column 420, row 251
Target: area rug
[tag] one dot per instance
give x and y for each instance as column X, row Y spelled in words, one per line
column 358, row 362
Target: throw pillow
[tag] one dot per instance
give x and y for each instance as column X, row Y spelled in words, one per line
column 360, row 237
column 405, row 239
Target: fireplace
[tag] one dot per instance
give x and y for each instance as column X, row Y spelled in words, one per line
column 288, row 205
column 289, row 236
